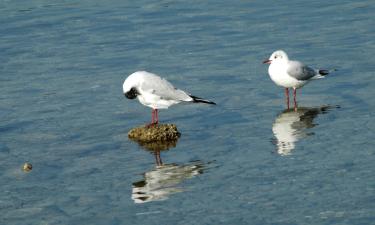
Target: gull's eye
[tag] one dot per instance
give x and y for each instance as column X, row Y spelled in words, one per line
column 275, row 56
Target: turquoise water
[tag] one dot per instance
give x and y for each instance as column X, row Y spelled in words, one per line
column 245, row 161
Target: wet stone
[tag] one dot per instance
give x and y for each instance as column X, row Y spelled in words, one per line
column 155, row 133
column 27, row 167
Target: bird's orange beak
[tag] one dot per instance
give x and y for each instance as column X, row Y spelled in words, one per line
column 267, row 61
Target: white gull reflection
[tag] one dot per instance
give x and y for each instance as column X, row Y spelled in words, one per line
column 163, row 181
column 292, row 125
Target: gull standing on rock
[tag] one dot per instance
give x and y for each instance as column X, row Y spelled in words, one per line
column 291, row 74
column 156, row 92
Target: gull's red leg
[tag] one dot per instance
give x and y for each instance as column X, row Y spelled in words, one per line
column 154, row 118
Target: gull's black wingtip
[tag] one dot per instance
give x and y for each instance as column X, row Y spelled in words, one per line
column 200, row 100
column 323, row 72
column 326, row 72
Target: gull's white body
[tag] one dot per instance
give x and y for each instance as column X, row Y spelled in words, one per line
column 154, row 91
column 280, row 76
column 288, row 73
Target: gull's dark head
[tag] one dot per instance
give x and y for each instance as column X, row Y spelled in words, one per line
column 131, row 84
column 132, row 93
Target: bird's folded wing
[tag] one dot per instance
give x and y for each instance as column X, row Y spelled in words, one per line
column 165, row 90
column 299, row 71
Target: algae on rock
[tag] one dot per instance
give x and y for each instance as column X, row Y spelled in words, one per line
column 157, row 132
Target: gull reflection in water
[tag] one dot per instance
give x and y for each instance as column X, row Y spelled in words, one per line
column 292, row 125
column 162, row 181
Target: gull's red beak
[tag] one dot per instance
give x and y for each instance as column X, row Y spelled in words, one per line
column 267, row 61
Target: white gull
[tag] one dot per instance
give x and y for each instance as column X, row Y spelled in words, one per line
column 291, row 74
column 155, row 92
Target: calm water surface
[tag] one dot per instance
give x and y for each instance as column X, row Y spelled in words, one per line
column 247, row 160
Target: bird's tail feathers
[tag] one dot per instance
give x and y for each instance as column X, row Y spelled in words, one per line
column 201, row 100
column 321, row 73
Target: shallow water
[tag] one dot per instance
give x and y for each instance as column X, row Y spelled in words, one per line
column 245, row 161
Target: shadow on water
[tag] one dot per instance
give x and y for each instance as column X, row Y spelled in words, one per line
column 162, row 181
column 291, row 125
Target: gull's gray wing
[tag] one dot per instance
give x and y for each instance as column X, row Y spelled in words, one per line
column 299, row 71
column 156, row 85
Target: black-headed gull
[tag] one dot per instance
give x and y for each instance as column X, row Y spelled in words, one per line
column 291, row 74
column 156, row 92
